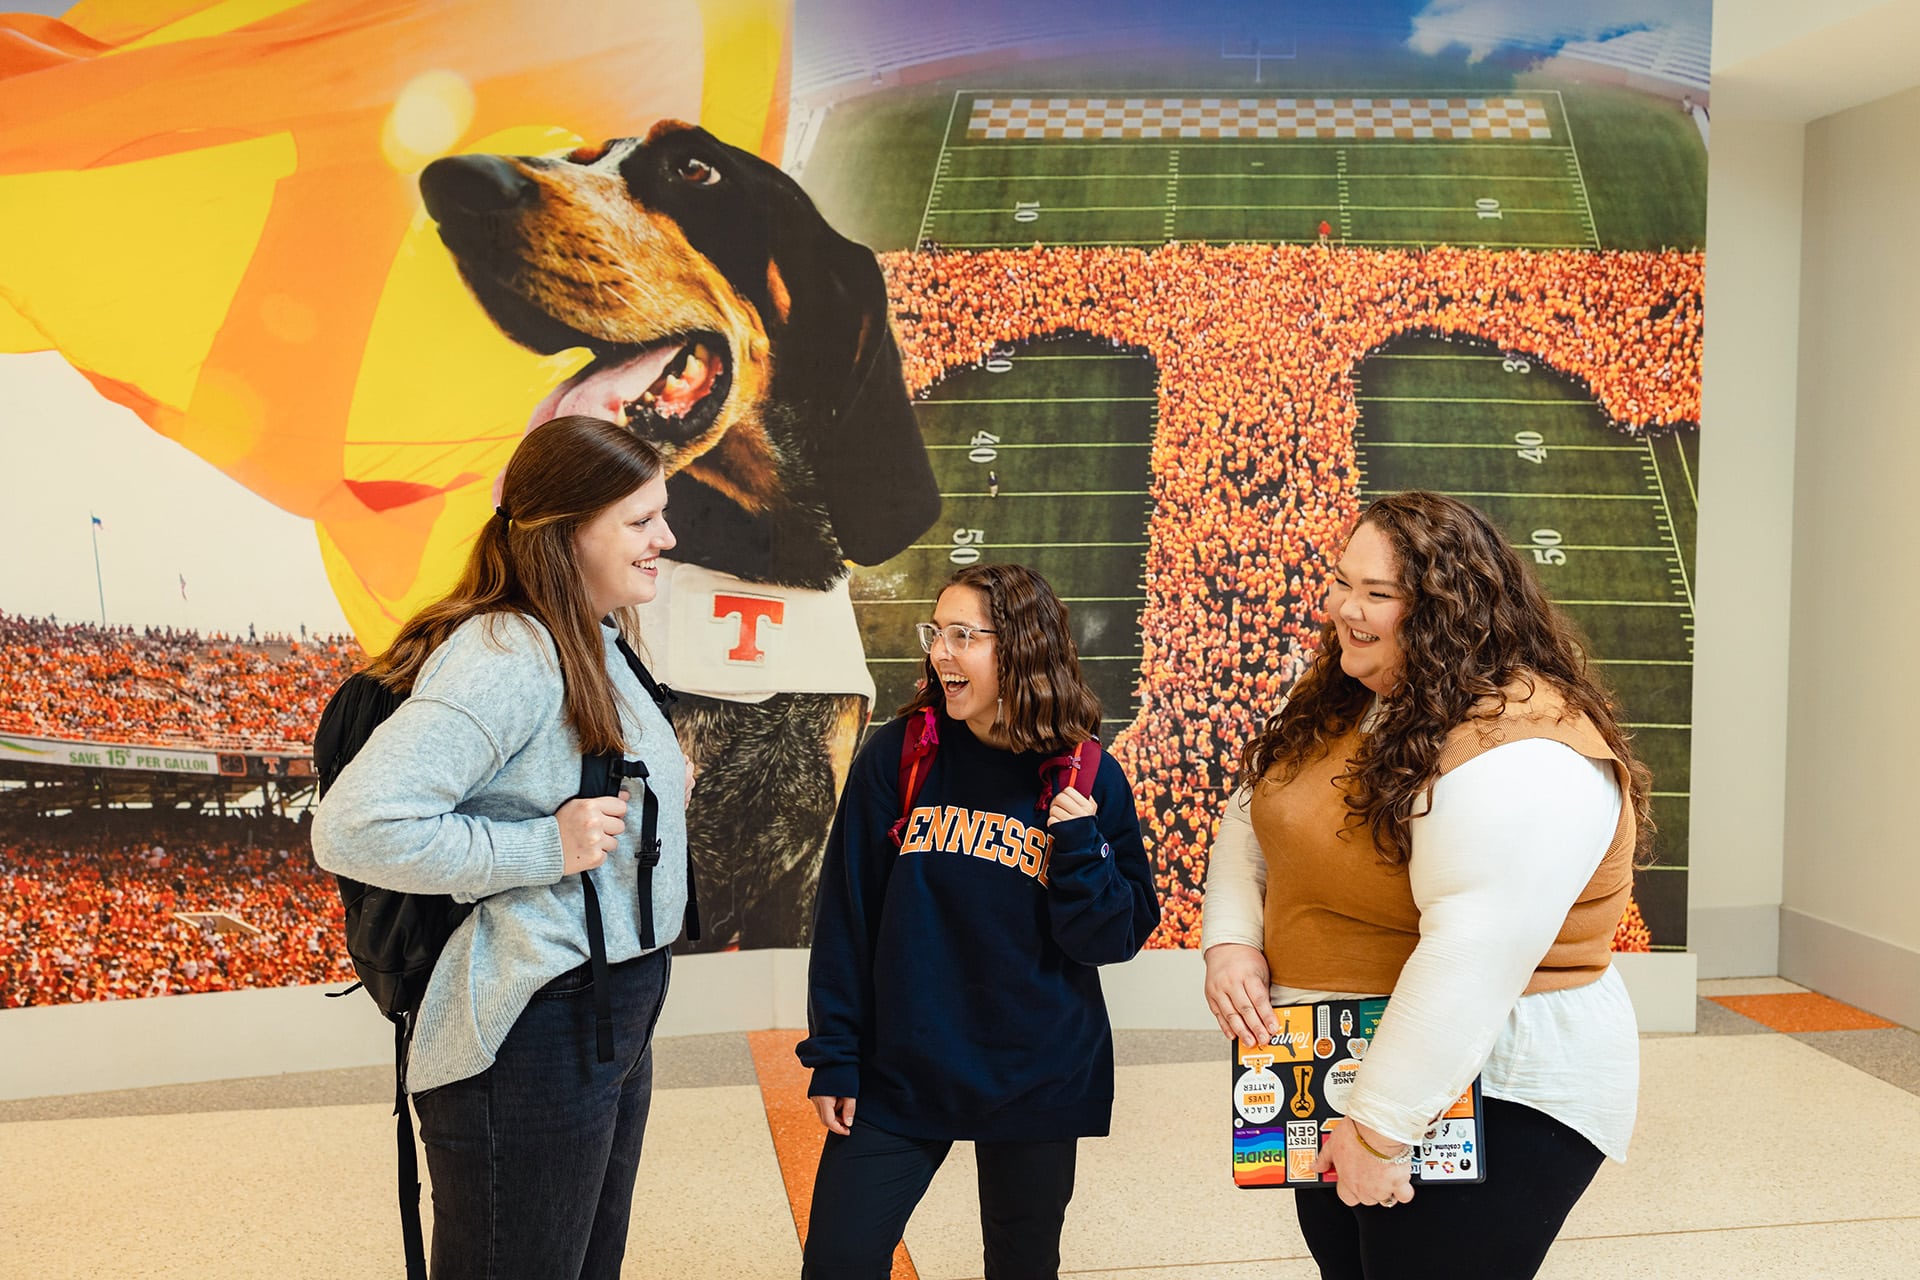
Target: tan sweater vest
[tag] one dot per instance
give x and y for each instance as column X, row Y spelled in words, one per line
column 1339, row 918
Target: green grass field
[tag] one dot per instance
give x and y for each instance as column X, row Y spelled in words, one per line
column 1237, row 191
column 1065, row 423
column 1642, row 160
column 1607, row 519
column 1067, row 428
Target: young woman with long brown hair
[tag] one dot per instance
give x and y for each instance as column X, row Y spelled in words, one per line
column 1444, row 810
column 532, row 1124
column 964, row 905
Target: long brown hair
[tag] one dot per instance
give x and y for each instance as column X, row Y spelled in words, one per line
column 565, row 472
column 1476, row 621
column 1045, row 704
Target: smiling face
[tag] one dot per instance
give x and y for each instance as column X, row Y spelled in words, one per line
column 618, row 550
column 969, row 680
column 1367, row 603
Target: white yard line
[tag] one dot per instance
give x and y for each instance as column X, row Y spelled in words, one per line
column 939, row 172
column 1573, row 153
column 1673, row 530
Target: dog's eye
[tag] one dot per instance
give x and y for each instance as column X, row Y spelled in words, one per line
column 698, row 172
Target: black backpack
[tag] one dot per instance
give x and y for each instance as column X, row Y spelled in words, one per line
column 394, row 939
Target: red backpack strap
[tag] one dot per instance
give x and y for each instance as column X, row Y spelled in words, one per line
column 917, row 751
column 1057, row 773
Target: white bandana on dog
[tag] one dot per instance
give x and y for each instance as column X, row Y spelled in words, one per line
column 723, row 637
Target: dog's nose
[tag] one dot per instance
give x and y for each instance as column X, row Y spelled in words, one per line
column 456, row 185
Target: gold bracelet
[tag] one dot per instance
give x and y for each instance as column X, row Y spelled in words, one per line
column 1403, row 1158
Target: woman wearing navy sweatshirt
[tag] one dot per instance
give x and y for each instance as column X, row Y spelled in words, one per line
column 964, row 904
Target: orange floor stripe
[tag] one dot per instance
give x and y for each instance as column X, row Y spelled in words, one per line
column 1802, row 1011
column 797, row 1132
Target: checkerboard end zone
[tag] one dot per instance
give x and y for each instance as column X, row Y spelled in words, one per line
column 1438, row 118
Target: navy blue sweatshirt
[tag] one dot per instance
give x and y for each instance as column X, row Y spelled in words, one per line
column 952, row 987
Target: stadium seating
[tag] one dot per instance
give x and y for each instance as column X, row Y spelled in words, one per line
column 178, row 903
column 164, row 687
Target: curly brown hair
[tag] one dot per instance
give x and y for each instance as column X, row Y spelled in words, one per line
column 1045, row 702
column 565, row 472
column 1476, row 622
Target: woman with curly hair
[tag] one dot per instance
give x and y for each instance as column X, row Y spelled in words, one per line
column 1444, row 810
column 981, row 866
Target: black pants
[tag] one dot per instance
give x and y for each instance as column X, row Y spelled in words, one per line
column 870, row 1181
column 1499, row 1229
column 533, row 1160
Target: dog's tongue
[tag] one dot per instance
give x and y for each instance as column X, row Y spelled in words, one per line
column 606, row 391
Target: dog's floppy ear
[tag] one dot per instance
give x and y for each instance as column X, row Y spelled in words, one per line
column 824, row 301
column 872, row 464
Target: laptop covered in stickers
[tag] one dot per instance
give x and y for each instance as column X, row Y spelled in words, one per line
column 1289, row 1093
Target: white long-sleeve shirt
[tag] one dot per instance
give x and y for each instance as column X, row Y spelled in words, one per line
column 1513, row 837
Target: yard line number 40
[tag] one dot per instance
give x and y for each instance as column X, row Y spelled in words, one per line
column 980, row 452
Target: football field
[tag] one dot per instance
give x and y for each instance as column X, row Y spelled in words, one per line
column 1606, row 518
column 1065, row 424
column 1112, row 188
column 1066, row 427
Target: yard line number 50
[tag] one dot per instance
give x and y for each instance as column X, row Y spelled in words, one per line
column 1546, row 547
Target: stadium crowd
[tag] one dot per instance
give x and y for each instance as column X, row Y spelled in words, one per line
column 1256, row 347
column 160, row 686
column 107, row 907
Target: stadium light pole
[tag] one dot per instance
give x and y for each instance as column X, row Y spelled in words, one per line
column 99, row 583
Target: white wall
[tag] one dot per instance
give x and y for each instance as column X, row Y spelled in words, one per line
column 1745, row 541
column 86, row 1048
column 1850, row 924
column 1747, row 30
column 1798, row 61
column 1764, row 578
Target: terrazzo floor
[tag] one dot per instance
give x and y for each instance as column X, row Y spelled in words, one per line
column 1776, row 1140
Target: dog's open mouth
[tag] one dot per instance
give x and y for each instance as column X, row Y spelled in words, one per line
column 669, row 391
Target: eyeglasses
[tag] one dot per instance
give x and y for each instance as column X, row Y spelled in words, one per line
column 958, row 637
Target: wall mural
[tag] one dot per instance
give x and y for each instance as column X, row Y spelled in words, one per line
column 1152, row 302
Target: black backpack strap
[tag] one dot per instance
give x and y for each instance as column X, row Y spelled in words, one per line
column 690, row 919
column 410, row 1234
column 599, row 776
column 602, row 984
column 662, row 696
column 648, row 852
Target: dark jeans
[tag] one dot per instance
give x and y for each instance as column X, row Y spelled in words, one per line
column 532, row 1161
column 1499, row 1229
column 870, row 1181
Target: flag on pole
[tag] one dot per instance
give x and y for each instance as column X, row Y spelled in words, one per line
column 99, row 582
